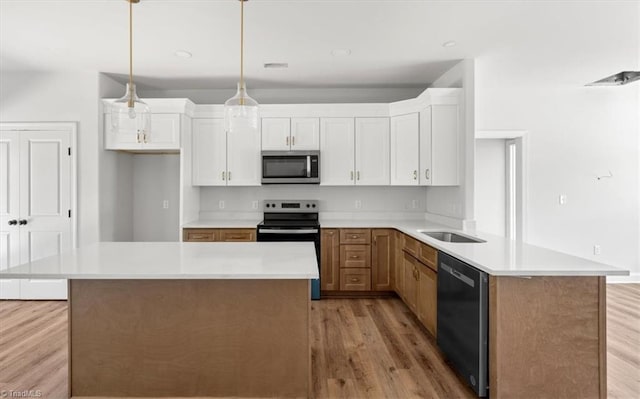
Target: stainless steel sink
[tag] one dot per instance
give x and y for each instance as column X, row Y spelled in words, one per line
column 451, row 237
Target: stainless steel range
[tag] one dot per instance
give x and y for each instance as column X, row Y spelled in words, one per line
column 293, row 220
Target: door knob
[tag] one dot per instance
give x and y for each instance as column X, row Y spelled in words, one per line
column 13, row 222
column 23, row 222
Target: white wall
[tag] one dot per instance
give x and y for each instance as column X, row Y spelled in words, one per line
column 457, row 202
column 292, row 95
column 490, row 186
column 62, row 97
column 376, row 202
column 156, row 178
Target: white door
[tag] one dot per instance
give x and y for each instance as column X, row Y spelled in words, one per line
column 372, row 151
column 41, row 175
column 244, row 164
column 405, row 150
column 337, row 151
column 164, row 133
column 426, row 171
column 209, row 150
column 305, row 134
column 276, row 134
column 9, row 210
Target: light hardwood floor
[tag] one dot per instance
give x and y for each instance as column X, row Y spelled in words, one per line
column 361, row 348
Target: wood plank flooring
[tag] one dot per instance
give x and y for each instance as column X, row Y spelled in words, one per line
column 361, row 348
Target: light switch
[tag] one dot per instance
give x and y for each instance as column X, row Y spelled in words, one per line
column 221, row 204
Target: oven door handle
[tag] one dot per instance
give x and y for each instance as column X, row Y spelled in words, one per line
column 288, row 231
column 308, row 165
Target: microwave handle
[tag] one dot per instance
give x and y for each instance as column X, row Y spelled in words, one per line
column 308, row 165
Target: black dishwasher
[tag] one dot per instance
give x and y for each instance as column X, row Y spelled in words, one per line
column 463, row 300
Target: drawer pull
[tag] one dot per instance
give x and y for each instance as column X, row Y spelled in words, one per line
column 197, row 236
column 354, row 256
column 354, row 236
column 355, row 280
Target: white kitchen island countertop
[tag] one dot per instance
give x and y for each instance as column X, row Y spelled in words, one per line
column 176, row 260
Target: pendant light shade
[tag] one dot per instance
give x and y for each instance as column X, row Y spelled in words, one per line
column 241, row 111
column 129, row 113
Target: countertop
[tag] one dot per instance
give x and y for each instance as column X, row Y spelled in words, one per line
column 176, row 260
column 497, row 256
column 222, row 224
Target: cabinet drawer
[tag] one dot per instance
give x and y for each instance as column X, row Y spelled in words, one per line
column 230, row 235
column 355, row 256
column 411, row 245
column 195, row 235
column 429, row 256
column 355, row 279
column 355, row 236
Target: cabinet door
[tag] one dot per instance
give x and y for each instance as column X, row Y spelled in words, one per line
column 209, row 150
column 199, row 235
column 372, row 151
column 9, row 210
column 427, row 298
column 236, row 235
column 398, row 265
column 330, row 259
column 126, row 138
column 426, row 171
column 337, row 146
column 410, row 282
column 305, row 134
column 276, row 134
column 244, row 165
column 382, row 257
column 444, row 145
column 405, row 150
column 164, row 133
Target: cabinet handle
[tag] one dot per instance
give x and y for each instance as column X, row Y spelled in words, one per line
column 358, row 175
column 287, row 140
column 415, row 175
column 229, row 175
column 13, row 222
column 23, row 222
column 354, row 236
column 351, row 175
column 138, row 136
column 222, row 175
column 355, row 280
column 354, row 256
column 144, row 138
column 293, row 140
column 426, row 173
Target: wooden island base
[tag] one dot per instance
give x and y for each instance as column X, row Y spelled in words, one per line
column 189, row 338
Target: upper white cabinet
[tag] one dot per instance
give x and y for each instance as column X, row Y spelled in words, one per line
column 337, row 151
column 290, row 134
column 372, row 151
column 221, row 159
column 354, row 151
column 439, row 145
column 164, row 134
column 405, row 150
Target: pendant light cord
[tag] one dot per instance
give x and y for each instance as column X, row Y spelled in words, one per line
column 242, row 49
column 131, row 54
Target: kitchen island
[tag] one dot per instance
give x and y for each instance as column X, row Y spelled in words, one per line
column 186, row 319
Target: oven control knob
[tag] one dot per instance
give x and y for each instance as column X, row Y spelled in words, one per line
column 273, row 205
column 268, row 205
column 308, row 205
column 313, row 206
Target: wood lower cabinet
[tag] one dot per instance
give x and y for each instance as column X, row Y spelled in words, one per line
column 330, row 260
column 427, row 298
column 382, row 259
column 398, row 265
column 410, row 282
column 218, row 235
column 355, row 279
column 355, row 236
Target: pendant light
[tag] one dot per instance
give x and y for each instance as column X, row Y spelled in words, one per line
column 129, row 113
column 241, row 111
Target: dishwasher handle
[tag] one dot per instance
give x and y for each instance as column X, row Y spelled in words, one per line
column 457, row 275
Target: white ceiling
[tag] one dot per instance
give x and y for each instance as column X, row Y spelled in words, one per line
column 394, row 43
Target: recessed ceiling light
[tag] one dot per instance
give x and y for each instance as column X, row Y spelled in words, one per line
column 450, row 43
column 276, row 65
column 341, row 52
column 183, row 54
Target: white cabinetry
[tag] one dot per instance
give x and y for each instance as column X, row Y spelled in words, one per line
column 164, row 134
column 36, row 179
column 290, row 134
column 221, row 159
column 439, row 145
column 354, row 151
column 405, row 151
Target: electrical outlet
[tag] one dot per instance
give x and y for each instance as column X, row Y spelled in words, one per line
column 597, row 250
column 221, row 204
column 165, row 204
column 254, row 204
column 562, row 199
column 414, row 204
column 358, row 204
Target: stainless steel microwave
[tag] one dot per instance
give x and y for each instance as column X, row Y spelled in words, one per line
column 290, row 167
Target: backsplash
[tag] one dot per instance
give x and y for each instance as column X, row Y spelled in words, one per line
column 246, row 202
